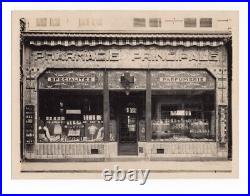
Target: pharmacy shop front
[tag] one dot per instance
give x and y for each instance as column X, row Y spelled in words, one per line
column 148, row 101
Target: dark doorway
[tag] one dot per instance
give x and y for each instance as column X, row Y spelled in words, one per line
column 128, row 110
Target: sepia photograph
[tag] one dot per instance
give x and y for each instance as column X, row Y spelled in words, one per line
column 115, row 95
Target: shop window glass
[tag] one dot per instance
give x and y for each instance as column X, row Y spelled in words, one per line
column 70, row 116
column 183, row 117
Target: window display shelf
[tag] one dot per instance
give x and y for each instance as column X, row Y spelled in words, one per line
column 172, row 129
column 180, row 138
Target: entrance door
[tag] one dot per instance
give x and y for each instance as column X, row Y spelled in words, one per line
column 128, row 128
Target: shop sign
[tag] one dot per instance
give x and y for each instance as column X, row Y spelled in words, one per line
column 131, row 55
column 54, row 79
column 82, row 55
column 223, row 124
column 127, row 80
column 188, row 79
column 128, row 57
column 182, row 79
column 180, row 113
column 29, row 114
column 71, row 79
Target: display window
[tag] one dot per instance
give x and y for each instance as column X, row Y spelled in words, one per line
column 183, row 116
column 70, row 116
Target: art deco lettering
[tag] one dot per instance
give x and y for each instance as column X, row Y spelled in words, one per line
column 132, row 55
column 175, row 56
column 109, row 55
column 72, row 79
column 69, row 79
column 29, row 124
column 182, row 80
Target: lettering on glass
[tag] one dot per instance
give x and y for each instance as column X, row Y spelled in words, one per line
column 223, row 124
column 130, row 110
column 180, row 113
column 29, row 114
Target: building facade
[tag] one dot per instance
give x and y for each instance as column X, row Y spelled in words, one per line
column 140, row 93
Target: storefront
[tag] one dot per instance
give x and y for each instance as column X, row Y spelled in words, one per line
column 102, row 97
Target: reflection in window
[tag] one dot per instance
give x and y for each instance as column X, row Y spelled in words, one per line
column 183, row 117
column 70, row 116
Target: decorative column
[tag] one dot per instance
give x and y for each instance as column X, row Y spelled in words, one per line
column 106, row 112
column 148, row 107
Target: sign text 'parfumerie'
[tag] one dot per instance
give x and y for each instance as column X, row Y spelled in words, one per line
column 183, row 79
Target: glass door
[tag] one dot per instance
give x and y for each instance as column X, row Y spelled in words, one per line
column 128, row 129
